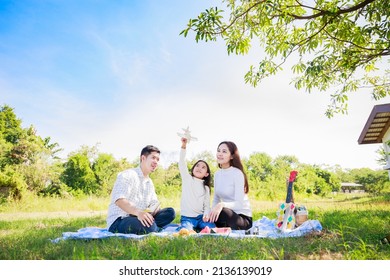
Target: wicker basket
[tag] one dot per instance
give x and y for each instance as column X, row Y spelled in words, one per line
column 301, row 216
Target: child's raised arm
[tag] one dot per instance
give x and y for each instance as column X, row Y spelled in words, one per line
column 184, row 142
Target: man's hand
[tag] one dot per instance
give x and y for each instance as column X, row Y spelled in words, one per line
column 145, row 218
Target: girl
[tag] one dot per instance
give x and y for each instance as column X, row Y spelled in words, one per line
column 195, row 195
column 231, row 207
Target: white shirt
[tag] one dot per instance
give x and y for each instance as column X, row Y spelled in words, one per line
column 195, row 196
column 229, row 189
column 132, row 185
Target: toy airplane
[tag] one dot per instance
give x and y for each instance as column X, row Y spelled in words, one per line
column 187, row 135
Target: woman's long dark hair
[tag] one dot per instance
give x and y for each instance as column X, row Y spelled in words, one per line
column 236, row 161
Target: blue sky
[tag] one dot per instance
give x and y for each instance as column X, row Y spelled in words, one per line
column 117, row 73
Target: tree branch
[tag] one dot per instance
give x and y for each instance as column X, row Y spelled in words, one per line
column 382, row 52
column 324, row 12
column 236, row 17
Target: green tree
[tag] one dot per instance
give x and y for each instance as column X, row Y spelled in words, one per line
column 283, row 165
column 306, row 179
column 5, row 148
column 384, row 156
column 54, row 148
column 374, row 181
column 55, row 186
column 10, row 125
column 259, row 165
column 167, row 181
column 32, row 157
column 172, row 175
column 25, row 155
column 343, row 175
column 28, row 148
column 78, row 173
column 106, row 168
column 330, row 182
column 12, row 184
column 10, row 132
column 335, row 43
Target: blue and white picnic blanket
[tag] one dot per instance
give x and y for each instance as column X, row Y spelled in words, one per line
column 263, row 228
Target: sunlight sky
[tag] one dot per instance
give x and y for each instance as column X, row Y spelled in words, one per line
column 118, row 73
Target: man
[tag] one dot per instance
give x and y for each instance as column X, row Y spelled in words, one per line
column 134, row 207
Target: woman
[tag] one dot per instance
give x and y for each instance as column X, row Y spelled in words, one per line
column 230, row 207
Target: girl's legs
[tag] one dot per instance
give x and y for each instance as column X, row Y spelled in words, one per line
column 201, row 224
column 187, row 222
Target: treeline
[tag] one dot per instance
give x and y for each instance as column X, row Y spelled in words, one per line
column 268, row 177
column 30, row 163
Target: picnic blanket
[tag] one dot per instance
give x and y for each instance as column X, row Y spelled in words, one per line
column 262, row 228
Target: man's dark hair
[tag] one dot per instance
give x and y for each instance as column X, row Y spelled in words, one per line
column 148, row 150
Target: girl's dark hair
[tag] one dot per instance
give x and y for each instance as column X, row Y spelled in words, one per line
column 236, row 161
column 207, row 179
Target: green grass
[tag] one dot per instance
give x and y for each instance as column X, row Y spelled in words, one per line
column 352, row 228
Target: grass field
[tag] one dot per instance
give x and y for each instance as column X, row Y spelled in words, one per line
column 353, row 226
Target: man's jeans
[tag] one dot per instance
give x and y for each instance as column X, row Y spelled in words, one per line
column 131, row 224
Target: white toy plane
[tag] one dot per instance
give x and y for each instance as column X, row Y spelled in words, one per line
column 187, row 135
